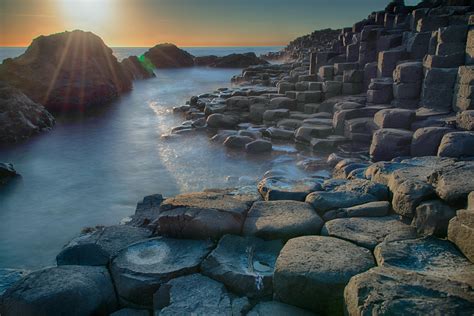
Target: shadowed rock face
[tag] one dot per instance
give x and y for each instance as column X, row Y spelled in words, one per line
column 230, row 61
column 67, row 71
column 137, row 68
column 20, row 117
column 169, row 56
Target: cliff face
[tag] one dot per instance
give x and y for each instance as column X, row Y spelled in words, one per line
column 67, row 71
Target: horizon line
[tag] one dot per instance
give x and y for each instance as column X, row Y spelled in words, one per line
column 184, row 46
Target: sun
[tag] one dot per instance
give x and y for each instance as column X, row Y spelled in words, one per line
column 86, row 14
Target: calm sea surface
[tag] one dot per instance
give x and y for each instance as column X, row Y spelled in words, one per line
column 94, row 169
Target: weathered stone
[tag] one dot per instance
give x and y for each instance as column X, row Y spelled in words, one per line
column 270, row 116
column 432, row 218
column 283, row 103
column 378, row 190
column 279, row 133
column 324, row 201
column 394, row 118
column 237, row 142
column 281, row 220
column 430, row 256
column 139, row 270
column 169, row 56
column 388, row 143
column 387, row 61
column 406, row 91
column 97, row 248
column 137, row 68
column 258, row 146
column 8, row 277
column 306, row 133
column 276, row 308
column 290, row 124
column 395, row 291
column 192, row 295
column 367, row 232
column 218, row 120
column 279, row 188
column 465, row 120
column 283, row 86
column 408, row 72
column 371, row 209
column 457, row 144
column 461, row 232
column 244, row 264
column 446, row 61
column 65, row 290
column 322, row 265
column 454, row 182
column 237, row 103
column 426, row 140
column 201, row 215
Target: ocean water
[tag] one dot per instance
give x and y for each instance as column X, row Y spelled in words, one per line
column 92, row 170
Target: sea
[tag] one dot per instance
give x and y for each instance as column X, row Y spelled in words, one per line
column 93, row 169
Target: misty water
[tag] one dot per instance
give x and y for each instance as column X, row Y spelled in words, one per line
column 92, row 170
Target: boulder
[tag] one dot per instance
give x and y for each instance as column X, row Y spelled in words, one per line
column 237, row 103
column 276, row 308
column 52, row 73
column 395, row 291
column 147, row 211
column 258, row 146
column 394, row 118
column 238, row 142
column 244, row 264
column 281, row 220
column 465, row 120
column 408, row 72
column 218, row 120
column 230, row 61
column 169, row 56
column 457, row 144
column 137, row 68
column 139, row 270
column 371, row 209
column 279, row 188
column 324, row 201
column 7, row 172
column 98, row 247
column 279, row 133
column 201, row 215
column 461, row 232
column 430, row 256
column 193, row 294
column 432, row 218
column 388, row 143
column 426, row 140
column 65, row 290
column 283, row 103
column 312, row 271
column 363, row 186
column 448, row 183
column 272, row 116
column 367, row 232
column 20, row 117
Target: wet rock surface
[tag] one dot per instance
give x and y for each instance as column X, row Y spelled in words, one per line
column 139, row 270
column 244, row 264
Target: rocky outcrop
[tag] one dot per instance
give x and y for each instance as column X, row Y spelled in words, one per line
column 7, row 172
column 137, row 68
column 230, row 61
column 169, row 56
column 20, row 117
column 67, row 71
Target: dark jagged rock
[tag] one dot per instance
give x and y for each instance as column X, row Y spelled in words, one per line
column 67, row 71
column 20, row 117
column 8, row 277
column 169, row 56
column 137, row 68
column 230, row 61
column 7, row 172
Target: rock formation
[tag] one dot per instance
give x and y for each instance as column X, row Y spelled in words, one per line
column 230, row 61
column 67, row 71
column 169, row 56
column 137, row 68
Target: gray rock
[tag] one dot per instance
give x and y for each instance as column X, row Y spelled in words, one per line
column 201, row 215
column 279, row 133
column 65, row 290
column 244, row 264
column 426, row 140
column 7, row 172
column 283, row 103
column 371, row 209
column 312, row 271
column 279, row 188
column 465, row 120
column 8, row 277
column 281, row 220
column 275, row 308
column 305, row 134
column 430, row 256
column 237, row 142
column 387, row 291
column 192, row 295
column 378, row 190
column 449, row 182
column 408, row 72
column 457, row 144
column 432, row 218
column 130, row 312
column 139, row 270
column 461, row 232
column 272, row 116
column 367, row 232
column 237, row 103
column 324, row 201
column 258, row 146
column 147, row 211
column 388, row 143
column 219, row 120
column 394, row 118
column 98, row 247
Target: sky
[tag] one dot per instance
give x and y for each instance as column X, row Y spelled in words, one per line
column 144, row 23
